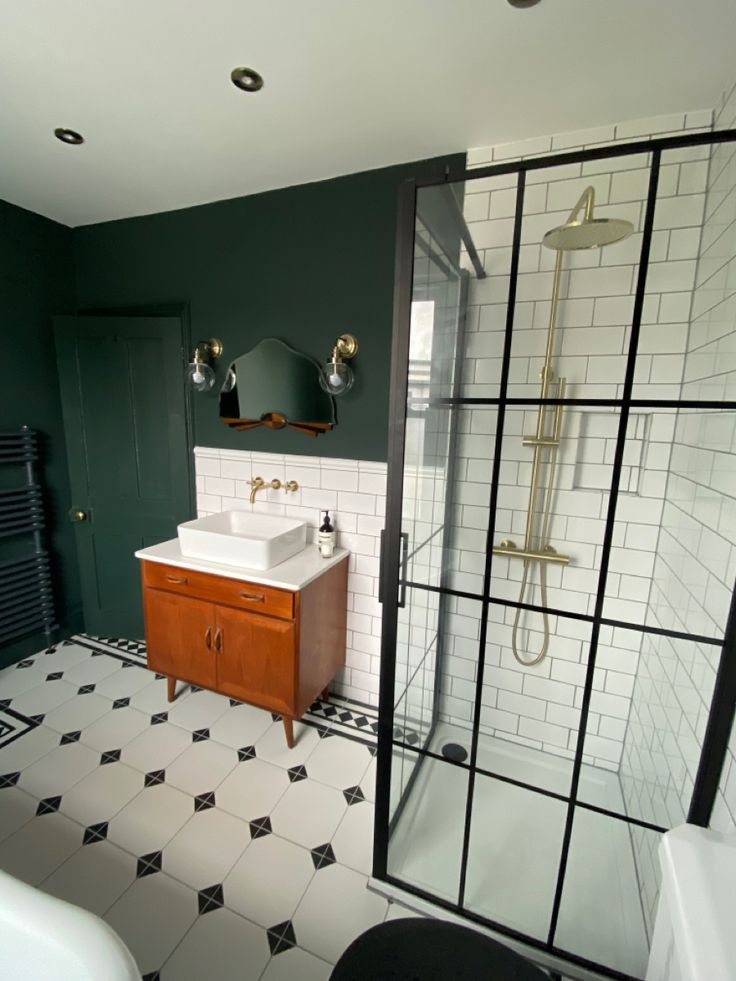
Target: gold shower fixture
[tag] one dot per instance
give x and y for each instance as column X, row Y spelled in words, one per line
column 587, row 232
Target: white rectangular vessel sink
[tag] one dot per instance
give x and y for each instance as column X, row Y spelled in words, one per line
column 241, row 538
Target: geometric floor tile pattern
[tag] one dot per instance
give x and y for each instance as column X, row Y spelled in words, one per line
column 208, row 845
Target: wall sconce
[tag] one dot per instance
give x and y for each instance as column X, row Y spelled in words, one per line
column 335, row 376
column 199, row 373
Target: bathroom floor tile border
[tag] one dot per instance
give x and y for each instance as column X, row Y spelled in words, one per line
column 132, row 651
column 13, row 725
column 346, row 717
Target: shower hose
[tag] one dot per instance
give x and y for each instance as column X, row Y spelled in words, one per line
column 544, row 537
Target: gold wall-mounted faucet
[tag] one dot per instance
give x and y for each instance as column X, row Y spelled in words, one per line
column 258, row 483
column 291, row 485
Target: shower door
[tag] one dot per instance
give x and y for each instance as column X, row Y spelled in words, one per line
column 435, row 338
column 530, row 795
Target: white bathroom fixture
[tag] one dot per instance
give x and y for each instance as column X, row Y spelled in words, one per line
column 242, row 538
column 46, row 939
column 694, row 937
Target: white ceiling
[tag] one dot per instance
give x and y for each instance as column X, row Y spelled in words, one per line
column 349, row 85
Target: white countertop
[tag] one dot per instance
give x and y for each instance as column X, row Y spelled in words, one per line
column 294, row 574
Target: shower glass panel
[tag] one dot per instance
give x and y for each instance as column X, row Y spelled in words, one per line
column 601, row 911
column 559, row 629
column 648, row 714
column 561, row 527
column 437, row 324
column 529, row 875
column 417, row 853
column 416, row 655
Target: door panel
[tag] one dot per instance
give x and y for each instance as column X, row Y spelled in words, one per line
column 123, row 400
column 256, row 661
column 179, row 636
column 437, row 323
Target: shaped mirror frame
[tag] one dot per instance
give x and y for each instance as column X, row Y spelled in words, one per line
column 275, row 386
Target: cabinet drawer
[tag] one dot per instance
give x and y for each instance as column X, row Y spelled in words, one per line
column 220, row 589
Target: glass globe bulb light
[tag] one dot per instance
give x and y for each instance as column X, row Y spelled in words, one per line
column 336, row 377
column 200, row 376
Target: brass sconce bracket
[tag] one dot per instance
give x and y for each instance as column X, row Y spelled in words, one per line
column 346, row 346
column 208, row 350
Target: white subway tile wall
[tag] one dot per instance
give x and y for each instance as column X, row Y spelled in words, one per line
column 539, row 706
column 354, row 491
column 695, row 560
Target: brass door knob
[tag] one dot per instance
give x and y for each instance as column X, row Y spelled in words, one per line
column 75, row 515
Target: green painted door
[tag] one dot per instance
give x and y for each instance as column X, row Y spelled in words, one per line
column 125, row 421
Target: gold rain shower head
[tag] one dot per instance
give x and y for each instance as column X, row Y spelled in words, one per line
column 586, row 232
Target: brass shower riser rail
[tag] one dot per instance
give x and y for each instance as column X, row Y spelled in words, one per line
column 511, row 551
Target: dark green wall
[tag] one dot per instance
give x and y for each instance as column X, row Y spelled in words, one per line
column 36, row 282
column 303, row 263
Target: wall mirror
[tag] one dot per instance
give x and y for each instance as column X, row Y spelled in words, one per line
column 273, row 385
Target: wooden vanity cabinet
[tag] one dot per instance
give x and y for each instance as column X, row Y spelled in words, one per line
column 274, row 648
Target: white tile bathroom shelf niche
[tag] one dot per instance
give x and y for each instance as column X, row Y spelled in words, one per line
column 295, row 573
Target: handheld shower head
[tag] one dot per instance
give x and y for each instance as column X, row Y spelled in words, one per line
column 586, row 232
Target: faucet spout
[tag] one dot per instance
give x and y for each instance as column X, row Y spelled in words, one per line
column 256, row 484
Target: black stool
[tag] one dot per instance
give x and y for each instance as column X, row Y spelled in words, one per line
column 430, row 950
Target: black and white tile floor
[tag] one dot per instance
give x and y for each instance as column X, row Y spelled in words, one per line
column 212, row 849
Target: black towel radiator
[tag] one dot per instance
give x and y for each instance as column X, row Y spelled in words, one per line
column 26, row 595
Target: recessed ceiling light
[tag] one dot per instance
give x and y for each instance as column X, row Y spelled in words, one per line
column 246, row 79
column 68, row 136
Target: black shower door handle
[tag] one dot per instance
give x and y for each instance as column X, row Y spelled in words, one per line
column 403, row 570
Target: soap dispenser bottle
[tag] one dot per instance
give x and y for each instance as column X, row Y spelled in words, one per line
column 326, row 538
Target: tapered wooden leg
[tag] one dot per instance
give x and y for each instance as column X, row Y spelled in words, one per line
column 325, row 693
column 289, row 730
column 170, row 688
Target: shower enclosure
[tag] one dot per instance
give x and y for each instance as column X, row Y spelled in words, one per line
column 547, row 712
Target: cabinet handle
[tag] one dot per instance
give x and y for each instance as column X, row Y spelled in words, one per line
column 253, row 597
column 177, row 579
column 208, row 638
column 218, row 639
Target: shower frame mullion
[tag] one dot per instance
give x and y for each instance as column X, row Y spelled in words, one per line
column 718, row 728
column 606, row 152
column 585, row 402
column 533, row 788
column 618, row 457
column 491, row 532
column 639, row 628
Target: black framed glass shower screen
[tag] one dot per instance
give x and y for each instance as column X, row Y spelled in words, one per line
column 642, row 477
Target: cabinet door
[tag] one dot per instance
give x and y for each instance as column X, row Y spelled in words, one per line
column 256, row 658
column 179, row 633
